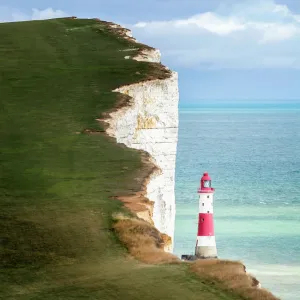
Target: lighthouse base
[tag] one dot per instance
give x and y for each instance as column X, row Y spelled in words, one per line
column 206, row 252
column 188, row 257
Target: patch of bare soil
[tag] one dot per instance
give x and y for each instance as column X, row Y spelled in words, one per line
column 143, row 240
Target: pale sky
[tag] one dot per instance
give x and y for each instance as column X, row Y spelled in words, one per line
column 232, row 50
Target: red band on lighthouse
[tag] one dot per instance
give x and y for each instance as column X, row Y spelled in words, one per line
column 206, row 225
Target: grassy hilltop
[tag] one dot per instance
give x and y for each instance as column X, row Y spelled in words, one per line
column 57, row 181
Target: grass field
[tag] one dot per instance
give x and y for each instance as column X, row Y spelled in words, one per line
column 56, row 182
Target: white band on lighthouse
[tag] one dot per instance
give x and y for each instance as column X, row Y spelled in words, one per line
column 206, row 241
column 206, row 203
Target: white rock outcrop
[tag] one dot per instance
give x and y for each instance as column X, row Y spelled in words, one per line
column 150, row 123
column 149, row 55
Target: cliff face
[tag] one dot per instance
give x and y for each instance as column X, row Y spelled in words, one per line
column 150, row 123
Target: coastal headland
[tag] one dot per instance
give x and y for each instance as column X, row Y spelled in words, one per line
column 77, row 216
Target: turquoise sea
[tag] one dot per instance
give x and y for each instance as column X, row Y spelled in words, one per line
column 253, row 157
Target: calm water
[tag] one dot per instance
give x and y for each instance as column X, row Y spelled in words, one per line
column 253, row 157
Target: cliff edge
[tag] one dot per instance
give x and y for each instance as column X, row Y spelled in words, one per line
column 150, row 123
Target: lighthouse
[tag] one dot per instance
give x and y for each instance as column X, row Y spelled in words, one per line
column 206, row 242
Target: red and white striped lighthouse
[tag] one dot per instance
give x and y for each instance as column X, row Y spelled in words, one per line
column 206, row 242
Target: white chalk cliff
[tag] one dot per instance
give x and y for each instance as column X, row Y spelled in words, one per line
column 150, row 123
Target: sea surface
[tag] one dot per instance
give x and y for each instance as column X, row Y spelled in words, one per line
column 253, row 157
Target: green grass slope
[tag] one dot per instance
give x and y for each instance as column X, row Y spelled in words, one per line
column 56, row 182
